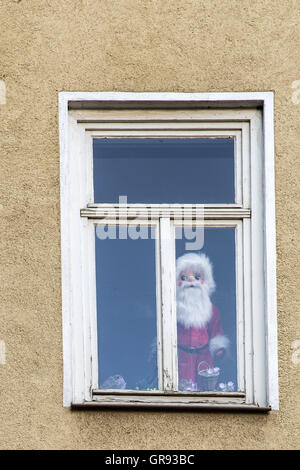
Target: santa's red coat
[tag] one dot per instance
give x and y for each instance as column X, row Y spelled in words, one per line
column 192, row 337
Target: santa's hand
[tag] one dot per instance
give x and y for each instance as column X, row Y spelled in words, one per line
column 220, row 353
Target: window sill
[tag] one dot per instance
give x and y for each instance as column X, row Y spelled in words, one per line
column 230, row 407
column 187, row 402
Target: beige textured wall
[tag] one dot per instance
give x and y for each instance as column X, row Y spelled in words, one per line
column 47, row 46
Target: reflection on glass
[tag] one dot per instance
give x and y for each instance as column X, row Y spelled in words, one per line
column 184, row 171
column 126, row 310
column 206, row 313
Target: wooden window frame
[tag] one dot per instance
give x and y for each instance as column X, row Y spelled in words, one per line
column 248, row 117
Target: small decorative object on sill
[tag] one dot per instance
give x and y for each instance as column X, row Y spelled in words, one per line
column 187, row 386
column 114, row 382
column 228, row 387
column 207, row 377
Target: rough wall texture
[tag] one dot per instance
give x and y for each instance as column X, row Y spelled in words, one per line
column 47, row 46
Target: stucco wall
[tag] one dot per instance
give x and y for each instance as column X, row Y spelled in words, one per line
column 47, row 46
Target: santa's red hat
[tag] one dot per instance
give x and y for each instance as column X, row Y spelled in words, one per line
column 199, row 263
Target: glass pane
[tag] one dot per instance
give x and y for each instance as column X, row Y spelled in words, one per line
column 184, row 171
column 206, row 312
column 126, row 308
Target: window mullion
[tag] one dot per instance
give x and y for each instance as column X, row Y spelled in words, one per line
column 168, row 296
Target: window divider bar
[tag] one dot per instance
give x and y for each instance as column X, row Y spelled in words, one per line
column 171, row 211
column 168, row 296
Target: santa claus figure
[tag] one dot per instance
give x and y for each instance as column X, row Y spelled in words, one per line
column 200, row 336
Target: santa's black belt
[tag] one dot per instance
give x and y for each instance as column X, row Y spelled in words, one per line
column 192, row 350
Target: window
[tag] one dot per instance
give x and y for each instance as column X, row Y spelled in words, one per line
column 168, row 250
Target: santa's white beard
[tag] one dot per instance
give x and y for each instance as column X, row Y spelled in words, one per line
column 194, row 307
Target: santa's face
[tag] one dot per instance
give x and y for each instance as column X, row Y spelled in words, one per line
column 190, row 278
column 193, row 300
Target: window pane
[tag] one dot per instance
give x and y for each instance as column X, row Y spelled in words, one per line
column 126, row 308
column 206, row 312
column 185, row 171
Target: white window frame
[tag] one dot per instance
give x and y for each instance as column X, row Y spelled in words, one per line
column 249, row 118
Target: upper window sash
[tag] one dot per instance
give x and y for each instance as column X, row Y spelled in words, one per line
column 171, row 168
column 158, row 125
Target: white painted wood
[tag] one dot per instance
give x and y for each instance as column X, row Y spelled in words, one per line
column 83, row 256
column 168, row 298
column 80, row 361
column 245, row 167
column 86, row 307
column 92, row 311
column 257, row 263
column 170, row 399
column 213, row 129
column 65, row 248
column 238, row 168
column 172, row 211
column 81, row 339
column 207, row 407
column 214, row 119
column 159, row 133
column 81, row 100
column 88, row 155
column 172, row 266
column 163, row 207
column 159, row 322
column 165, row 133
column 247, row 270
column 248, row 324
column 240, row 314
column 170, row 393
column 270, row 252
column 191, row 128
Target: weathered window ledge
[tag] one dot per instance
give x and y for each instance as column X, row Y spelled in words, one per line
column 208, row 401
column 171, row 406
